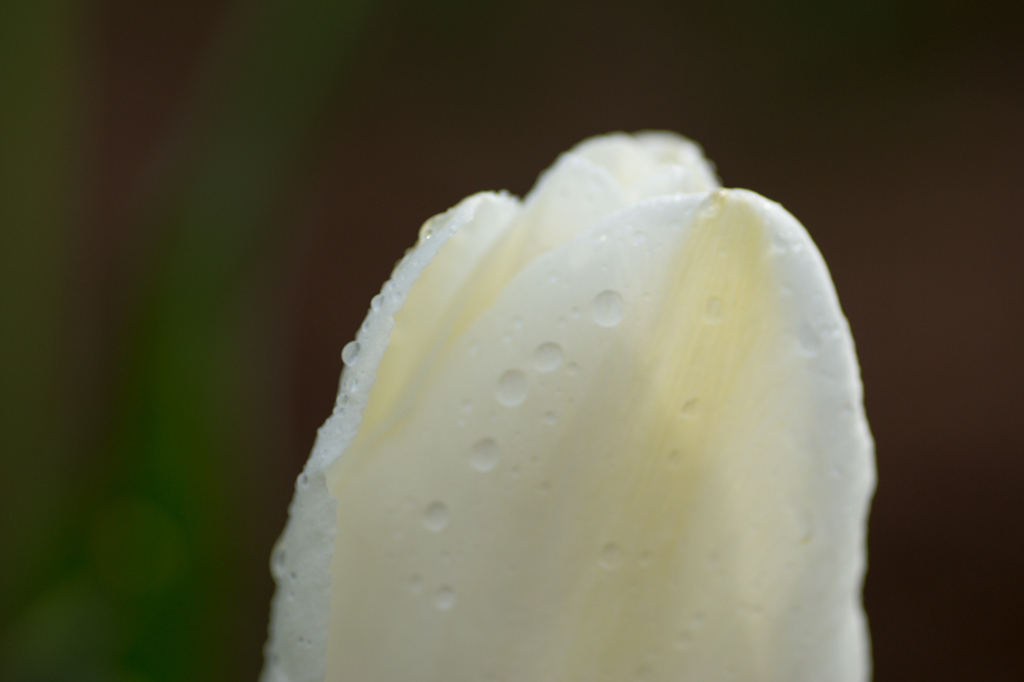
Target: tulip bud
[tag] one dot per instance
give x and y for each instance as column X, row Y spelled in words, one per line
column 611, row 432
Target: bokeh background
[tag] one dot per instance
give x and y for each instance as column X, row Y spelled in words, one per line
column 199, row 198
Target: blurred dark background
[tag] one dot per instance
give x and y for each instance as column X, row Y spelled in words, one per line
column 199, row 198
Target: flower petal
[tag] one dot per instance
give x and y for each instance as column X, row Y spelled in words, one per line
column 651, row 164
column 646, row 456
column 296, row 647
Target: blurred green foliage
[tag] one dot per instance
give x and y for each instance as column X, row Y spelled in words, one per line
column 133, row 572
column 37, row 147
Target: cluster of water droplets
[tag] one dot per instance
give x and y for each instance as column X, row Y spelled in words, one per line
column 512, row 390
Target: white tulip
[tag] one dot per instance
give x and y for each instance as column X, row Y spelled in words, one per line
column 613, row 431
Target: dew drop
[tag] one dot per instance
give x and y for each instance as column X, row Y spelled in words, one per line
column 675, row 457
column 713, row 205
column 376, row 302
column 713, row 311
column 484, row 455
column 682, row 642
column 691, row 409
column 512, row 388
column 611, row 556
column 435, row 518
column 280, row 562
column 697, row 621
column 608, row 308
column 780, row 241
column 572, row 369
column 809, row 340
column 574, row 313
column 303, row 480
column 804, row 526
column 430, row 227
column 517, row 322
column 550, row 418
column 645, row 559
column 445, row 598
column 350, row 352
column 547, row 357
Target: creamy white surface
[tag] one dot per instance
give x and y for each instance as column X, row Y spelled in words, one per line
column 616, row 434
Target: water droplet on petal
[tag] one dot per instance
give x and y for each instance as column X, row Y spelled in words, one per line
column 430, row 226
column 809, row 340
column 376, row 302
column 416, row 583
column 713, row 205
column 435, row 518
column 691, row 409
column 484, row 455
column 280, row 562
column 611, row 556
column 713, row 311
column 350, row 352
column 547, row 357
column 608, row 308
column 572, row 369
column 512, row 388
column 445, row 598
